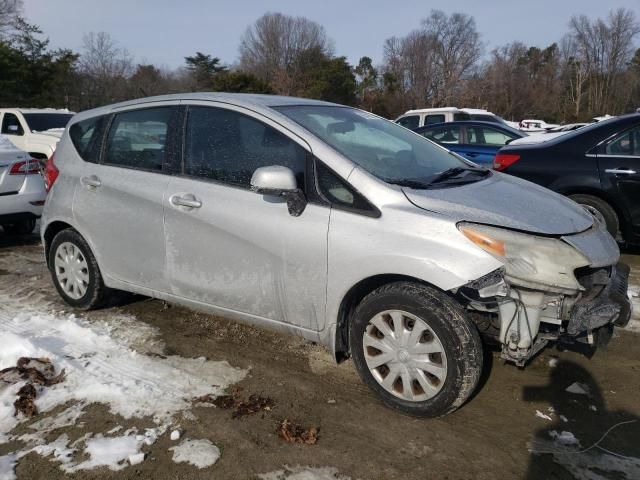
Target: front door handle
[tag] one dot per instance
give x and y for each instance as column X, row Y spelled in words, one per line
column 90, row 181
column 471, row 154
column 188, row 200
column 620, row 171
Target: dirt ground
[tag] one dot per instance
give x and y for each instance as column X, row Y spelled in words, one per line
column 486, row 439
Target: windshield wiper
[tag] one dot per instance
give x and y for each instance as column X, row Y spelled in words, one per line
column 409, row 182
column 450, row 173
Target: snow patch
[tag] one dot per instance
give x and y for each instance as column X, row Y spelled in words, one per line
column 7, row 465
column 599, row 466
column 304, row 473
column 544, row 416
column 564, row 438
column 201, row 453
column 104, row 365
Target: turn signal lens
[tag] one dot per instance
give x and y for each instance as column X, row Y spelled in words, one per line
column 485, row 242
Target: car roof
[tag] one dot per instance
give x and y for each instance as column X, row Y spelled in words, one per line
column 37, row 110
column 239, row 99
column 431, row 110
column 479, row 123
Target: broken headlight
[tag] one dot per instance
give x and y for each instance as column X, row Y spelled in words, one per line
column 529, row 260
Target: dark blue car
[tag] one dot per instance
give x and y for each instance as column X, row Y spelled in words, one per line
column 473, row 140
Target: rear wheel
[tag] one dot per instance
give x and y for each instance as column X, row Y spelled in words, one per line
column 603, row 211
column 415, row 348
column 75, row 272
column 24, row 227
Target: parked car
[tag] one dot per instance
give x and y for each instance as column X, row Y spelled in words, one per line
column 331, row 223
column 476, row 141
column 413, row 119
column 597, row 166
column 37, row 131
column 22, row 192
column 536, row 125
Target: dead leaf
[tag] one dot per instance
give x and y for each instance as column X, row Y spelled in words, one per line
column 294, row 433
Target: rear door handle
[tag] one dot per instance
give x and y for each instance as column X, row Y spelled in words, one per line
column 91, row 181
column 188, row 200
column 620, row 171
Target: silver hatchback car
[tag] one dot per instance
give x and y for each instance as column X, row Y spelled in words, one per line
column 331, row 223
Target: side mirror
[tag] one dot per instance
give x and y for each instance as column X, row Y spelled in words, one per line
column 273, row 180
column 281, row 182
column 13, row 129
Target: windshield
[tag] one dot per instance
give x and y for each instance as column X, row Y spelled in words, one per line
column 383, row 148
column 39, row 122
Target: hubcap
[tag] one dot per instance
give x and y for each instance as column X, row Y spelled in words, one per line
column 71, row 270
column 405, row 355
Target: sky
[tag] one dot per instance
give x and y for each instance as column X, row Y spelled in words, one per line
column 163, row 32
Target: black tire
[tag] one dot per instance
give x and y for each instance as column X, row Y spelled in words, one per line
column 24, row 227
column 96, row 292
column 445, row 317
column 608, row 213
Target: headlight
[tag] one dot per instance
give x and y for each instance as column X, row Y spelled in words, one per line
column 529, row 259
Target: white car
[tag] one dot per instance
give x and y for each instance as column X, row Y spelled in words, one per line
column 536, row 125
column 22, row 191
column 413, row 119
column 36, row 131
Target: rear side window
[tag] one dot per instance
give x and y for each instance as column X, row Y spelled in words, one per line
column 431, row 119
column 625, row 144
column 86, row 136
column 227, row 146
column 410, row 122
column 487, row 136
column 137, row 139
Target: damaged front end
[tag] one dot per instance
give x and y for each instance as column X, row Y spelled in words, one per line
column 565, row 288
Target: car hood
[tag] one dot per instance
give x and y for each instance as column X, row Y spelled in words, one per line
column 506, row 201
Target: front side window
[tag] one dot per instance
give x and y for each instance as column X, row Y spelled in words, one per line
column 487, row 136
column 410, row 122
column 338, row 192
column 137, row 139
column 384, row 149
column 86, row 136
column 626, row 144
column 11, row 125
column 431, row 119
column 450, row 135
column 228, row 146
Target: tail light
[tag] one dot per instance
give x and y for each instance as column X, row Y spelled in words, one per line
column 50, row 173
column 26, row 167
column 503, row 160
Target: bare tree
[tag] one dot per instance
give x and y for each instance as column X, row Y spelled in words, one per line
column 272, row 47
column 457, row 46
column 9, row 11
column 105, row 68
column 604, row 48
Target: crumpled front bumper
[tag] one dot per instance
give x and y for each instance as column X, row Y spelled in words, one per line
column 606, row 302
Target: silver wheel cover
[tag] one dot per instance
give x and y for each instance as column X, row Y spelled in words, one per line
column 71, row 270
column 405, row 355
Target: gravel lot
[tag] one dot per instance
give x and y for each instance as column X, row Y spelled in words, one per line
column 514, row 411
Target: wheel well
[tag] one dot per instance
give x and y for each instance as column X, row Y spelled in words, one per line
column 351, row 300
column 52, row 230
column 620, row 212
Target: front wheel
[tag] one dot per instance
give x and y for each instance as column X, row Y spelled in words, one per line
column 603, row 211
column 416, row 349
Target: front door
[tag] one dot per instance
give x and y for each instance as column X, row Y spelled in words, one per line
column 619, row 166
column 232, row 248
column 119, row 202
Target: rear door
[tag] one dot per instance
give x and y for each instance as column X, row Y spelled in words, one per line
column 235, row 249
column 481, row 143
column 619, row 166
column 119, row 202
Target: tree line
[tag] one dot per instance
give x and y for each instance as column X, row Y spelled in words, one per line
column 593, row 69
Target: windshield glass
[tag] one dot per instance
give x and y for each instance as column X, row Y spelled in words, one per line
column 39, row 122
column 383, row 148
